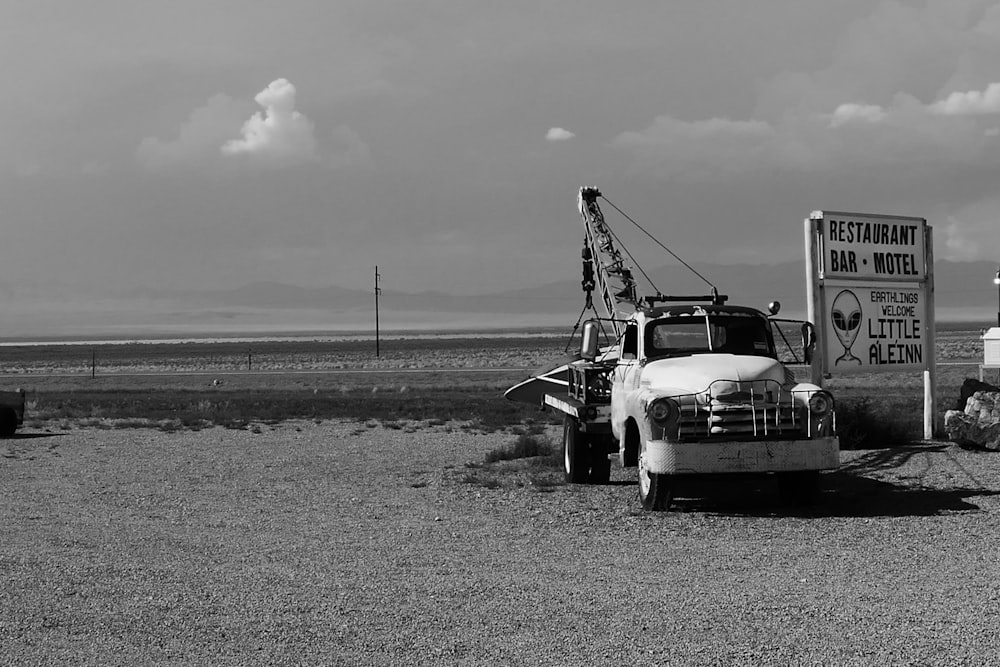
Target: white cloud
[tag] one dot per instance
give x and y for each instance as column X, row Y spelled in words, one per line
column 281, row 136
column 971, row 103
column 558, row 134
column 846, row 113
column 199, row 137
column 905, row 133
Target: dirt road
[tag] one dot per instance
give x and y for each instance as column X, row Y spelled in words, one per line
column 348, row 545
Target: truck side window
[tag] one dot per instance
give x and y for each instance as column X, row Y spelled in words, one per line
column 630, row 342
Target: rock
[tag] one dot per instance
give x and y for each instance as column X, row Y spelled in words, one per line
column 978, row 425
column 970, row 387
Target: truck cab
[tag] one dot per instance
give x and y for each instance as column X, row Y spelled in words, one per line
column 699, row 389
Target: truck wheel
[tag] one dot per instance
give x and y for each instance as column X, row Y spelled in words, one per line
column 655, row 490
column 576, row 452
column 799, row 488
column 8, row 421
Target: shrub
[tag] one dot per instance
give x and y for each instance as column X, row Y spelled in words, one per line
column 479, row 409
column 861, row 426
column 526, row 446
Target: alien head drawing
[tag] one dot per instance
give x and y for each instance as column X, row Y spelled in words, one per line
column 846, row 313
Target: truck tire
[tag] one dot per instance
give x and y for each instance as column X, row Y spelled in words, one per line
column 799, row 488
column 656, row 491
column 576, row 452
column 8, row 421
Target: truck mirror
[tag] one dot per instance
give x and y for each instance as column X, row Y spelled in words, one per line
column 588, row 344
column 773, row 307
column 808, row 341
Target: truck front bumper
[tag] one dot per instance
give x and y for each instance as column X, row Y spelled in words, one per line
column 694, row 458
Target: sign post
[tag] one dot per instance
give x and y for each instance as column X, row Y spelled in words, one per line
column 871, row 295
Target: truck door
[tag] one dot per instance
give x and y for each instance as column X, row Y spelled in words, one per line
column 626, row 376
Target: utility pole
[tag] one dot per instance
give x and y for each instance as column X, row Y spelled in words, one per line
column 378, row 290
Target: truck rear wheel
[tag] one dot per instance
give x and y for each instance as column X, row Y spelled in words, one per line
column 8, row 421
column 656, row 491
column 576, row 452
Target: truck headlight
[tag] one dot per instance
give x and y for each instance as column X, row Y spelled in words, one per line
column 820, row 403
column 663, row 410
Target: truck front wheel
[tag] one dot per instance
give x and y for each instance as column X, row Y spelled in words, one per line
column 655, row 490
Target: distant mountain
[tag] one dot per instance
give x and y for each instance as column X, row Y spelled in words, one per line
column 964, row 292
column 957, row 285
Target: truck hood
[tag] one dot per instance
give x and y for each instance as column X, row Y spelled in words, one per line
column 694, row 374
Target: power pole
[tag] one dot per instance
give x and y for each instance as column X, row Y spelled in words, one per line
column 378, row 290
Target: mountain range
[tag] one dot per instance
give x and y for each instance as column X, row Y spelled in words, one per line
column 964, row 292
column 959, row 286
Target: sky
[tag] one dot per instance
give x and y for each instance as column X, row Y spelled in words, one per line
column 210, row 144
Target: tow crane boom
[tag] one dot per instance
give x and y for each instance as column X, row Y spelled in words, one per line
column 602, row 261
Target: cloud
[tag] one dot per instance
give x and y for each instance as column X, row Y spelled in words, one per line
column 847, row 113
column 558, row 134
column 281, row 136
column 913, row 136
column 199, row 137
column 971, row 103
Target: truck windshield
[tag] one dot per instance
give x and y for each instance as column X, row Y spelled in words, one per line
column 696, row 334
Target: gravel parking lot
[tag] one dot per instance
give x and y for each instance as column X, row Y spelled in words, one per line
column 353, row 544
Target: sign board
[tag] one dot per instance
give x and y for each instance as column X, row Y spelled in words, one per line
column 871, row 296
column 870, row 292
column 872, row 247
column 874, row 328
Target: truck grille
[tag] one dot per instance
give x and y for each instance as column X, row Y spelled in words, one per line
column 731, row 410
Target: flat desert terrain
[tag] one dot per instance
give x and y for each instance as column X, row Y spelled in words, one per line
column 350, row 543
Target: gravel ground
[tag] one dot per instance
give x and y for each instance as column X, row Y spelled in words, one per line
column 336, row 543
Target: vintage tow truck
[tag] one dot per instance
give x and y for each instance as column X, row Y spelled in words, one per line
column 689, row 387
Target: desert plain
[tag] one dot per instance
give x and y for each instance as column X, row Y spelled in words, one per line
column 161, row 513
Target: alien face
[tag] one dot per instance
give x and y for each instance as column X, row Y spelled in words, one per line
column 846, row 317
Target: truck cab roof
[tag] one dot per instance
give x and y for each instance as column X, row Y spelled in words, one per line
column 681, row 310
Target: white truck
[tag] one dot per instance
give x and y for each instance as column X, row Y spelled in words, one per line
column 11, row 412
column 689, row 387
